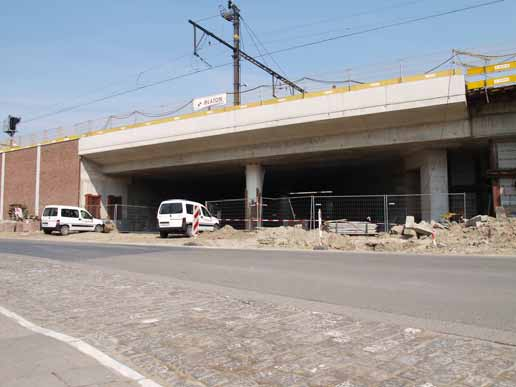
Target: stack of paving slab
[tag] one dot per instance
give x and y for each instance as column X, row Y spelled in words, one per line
column 343, row 226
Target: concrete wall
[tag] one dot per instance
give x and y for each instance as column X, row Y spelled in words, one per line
column 94, row 182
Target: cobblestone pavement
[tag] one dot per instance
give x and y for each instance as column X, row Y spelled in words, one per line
column 182, row 336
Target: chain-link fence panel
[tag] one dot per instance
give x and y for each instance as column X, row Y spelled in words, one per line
column 425, row 207
column 134, row 218
column 229, row 211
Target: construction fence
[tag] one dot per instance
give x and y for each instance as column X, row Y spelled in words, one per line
column 382, row 210
column 128, row 218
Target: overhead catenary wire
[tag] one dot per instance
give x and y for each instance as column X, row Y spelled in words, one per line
column 347, row 16
column 387, row 26
column 451, row 58
column 282, row 50
column 259, row 43
column 117, row 94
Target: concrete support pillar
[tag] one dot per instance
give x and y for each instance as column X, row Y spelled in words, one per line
column 2, row 187
column 433, row 171
column 254, row 175
column 38, row 174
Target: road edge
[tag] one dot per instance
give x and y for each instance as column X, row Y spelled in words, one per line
column 84, row 348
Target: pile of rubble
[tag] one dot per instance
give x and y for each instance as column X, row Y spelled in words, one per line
column 478, row 235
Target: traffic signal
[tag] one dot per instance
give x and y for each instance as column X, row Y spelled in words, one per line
column 11, row 125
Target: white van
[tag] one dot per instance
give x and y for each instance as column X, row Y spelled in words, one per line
column 66, row 218
column 176, row 217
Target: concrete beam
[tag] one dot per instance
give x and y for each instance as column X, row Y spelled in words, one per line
column 358, row 140
column 446, row 92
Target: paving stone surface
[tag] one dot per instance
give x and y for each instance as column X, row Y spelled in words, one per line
column 183, row 336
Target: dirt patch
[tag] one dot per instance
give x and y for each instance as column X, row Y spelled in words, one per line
column 493, row 237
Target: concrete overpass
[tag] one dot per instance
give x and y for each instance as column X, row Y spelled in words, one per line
column 426, row 112
column 420, row 134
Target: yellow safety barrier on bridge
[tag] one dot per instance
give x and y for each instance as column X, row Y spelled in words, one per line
column 492, row 82
column 500, row 67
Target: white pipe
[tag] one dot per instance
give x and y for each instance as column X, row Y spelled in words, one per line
column 38, row 174
column 2, row 188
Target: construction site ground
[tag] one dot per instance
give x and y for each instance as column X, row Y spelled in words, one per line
column 491, row 237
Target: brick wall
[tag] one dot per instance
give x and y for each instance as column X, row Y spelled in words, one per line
column 20, row 179
column 1, row 209
column 59, row 174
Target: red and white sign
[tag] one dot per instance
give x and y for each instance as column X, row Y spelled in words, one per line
column 196, row 220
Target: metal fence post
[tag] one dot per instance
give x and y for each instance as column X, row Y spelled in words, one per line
column 115, row 213
column 464, row 216
column 312, row 212
column 386, row 213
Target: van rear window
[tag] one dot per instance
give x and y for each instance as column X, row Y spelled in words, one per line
column 50, row 211
column 171, row 208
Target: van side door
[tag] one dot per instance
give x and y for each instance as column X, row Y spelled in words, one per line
column 207, row 221
column 86, row 221
column 70, row 217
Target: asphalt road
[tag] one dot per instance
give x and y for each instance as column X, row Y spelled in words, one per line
column 477, row 292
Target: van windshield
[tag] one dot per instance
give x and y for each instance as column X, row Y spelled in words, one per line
column 171, row 208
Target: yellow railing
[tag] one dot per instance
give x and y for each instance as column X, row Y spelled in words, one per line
column 491, row 82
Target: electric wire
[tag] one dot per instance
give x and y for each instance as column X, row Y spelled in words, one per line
column 348, row 16
column 258, row 42
column 282, row 50
column 441, row 64
column 117, row 94
column 387, row 26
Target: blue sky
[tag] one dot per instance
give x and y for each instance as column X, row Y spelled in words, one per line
column 58, row 53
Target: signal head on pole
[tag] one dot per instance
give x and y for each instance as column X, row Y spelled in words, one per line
column 12, row 122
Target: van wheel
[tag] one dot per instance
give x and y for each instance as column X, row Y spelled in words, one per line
column 65, row 230
column 163, row 234
column 98, row 228
column 216, row 227
column 48, row 232
column 189, row 231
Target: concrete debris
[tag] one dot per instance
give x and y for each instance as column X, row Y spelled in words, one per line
column 437, row 225
column 397, row 229
column 501, row 214
column 409, row 222
column 476, row 221
column 423, row 228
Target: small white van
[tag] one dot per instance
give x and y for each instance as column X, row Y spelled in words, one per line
column 176, row 217
column 65, row 219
